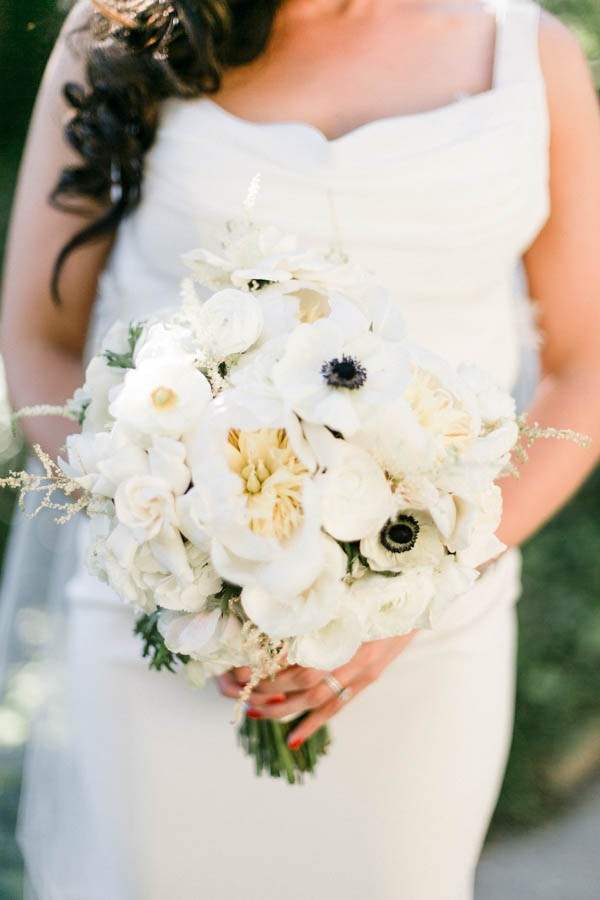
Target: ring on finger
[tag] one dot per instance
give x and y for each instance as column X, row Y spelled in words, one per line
column 342, row 693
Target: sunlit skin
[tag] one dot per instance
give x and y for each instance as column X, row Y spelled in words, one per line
column 336, row 66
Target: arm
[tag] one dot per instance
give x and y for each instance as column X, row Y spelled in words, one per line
column 563, row 268
column 42, row 344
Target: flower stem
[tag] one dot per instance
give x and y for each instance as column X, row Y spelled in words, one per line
column 266, row 742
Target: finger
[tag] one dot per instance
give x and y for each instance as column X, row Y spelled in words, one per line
column 229, row 686
column 316, row 720
column 242, row 674
column 293, row 704
column 295, row 678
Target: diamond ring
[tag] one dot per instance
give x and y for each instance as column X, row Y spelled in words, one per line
column 342, row 693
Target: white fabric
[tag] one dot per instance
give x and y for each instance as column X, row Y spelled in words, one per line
column 146, row 795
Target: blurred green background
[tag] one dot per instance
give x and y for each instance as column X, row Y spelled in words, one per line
column 556, row 745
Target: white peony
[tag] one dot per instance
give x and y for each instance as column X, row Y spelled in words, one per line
column 260, row 504
column 162, row 397
column 282, row 615
column 409, row 538
column 334, row 375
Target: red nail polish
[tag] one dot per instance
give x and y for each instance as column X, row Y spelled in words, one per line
column 295, row 744
column 254, row 714
column 276, row 698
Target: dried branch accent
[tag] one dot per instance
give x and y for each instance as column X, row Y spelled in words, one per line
column 532, row 433
column 53, row 480
column 272, row 659
column 26, row 412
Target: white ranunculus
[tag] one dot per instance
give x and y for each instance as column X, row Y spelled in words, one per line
column 392, row 606
column 282, row 615
column 356, row 497
column 331, row 646
column 229, row 322
column 162, row 340
column 334, row 375
column 162, row 397
column 409, row 538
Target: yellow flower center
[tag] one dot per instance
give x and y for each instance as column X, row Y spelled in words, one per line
column 272, row 476
column 163, row 397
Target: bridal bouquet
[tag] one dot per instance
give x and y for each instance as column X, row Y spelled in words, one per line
column 275, row 474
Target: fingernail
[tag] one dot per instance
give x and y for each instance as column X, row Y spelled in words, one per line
column 295, row 744
column 276, row 698
column 254, row 714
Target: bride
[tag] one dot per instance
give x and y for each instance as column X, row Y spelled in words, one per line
column 443, row 145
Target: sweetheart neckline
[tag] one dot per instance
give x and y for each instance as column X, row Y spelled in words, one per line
column 460, row 103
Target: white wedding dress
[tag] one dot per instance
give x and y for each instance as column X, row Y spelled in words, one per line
column 143, row 793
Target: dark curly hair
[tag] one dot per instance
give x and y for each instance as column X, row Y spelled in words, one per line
column 139, row 53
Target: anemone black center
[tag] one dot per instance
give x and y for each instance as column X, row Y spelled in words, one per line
column 257, row 284
column 400, row 534
column 346, row 372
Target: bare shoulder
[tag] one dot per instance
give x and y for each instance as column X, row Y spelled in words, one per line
column 567, row 73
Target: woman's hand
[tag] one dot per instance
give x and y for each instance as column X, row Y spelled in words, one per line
column 296, row 689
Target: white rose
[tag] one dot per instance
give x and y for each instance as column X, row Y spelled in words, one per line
column 145, row 504
column 162, row 397
column 409, row 538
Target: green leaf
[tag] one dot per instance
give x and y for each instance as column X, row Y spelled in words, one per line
column 154, row 644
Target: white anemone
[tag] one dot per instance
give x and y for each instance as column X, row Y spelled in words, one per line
column 334, row 375
column 409, row 538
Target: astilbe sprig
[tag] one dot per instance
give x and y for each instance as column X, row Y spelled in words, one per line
column 52, row 481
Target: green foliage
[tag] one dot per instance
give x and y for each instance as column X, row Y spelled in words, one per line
column 125, row 360
column 154, row 645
